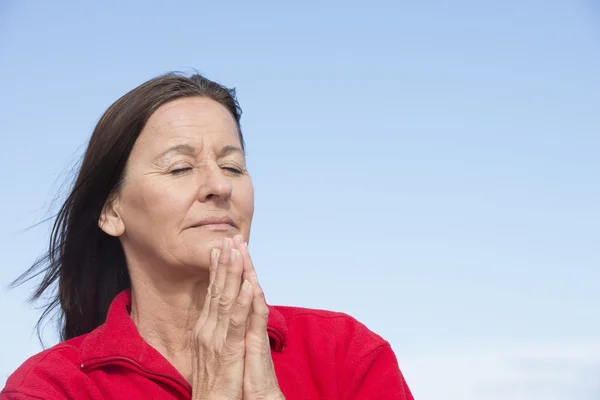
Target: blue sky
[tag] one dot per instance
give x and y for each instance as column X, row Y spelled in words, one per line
column 430, row 167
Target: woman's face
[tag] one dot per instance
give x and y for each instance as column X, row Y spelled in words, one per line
column 186, row 186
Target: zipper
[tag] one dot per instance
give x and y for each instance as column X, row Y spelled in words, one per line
column 132, row 365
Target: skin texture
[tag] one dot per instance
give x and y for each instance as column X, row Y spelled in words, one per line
column 186, row 168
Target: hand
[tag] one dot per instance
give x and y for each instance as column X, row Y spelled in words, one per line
column 218, row 344
column 260, row 380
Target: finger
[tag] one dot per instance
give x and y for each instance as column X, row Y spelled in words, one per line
column 216, row 288
column 237, row 241
column 231, row 291
column 249, row 271
column 259, row 315
column 237, row 323
column 214, row 260
column 214, row 263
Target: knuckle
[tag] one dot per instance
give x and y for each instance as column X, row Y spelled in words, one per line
column 225, row 304
column 260, row 294
column 215, row 291
column 264, row 314
column 203, row 337
column 236, row 324
column 231, row 352
column 242, row 302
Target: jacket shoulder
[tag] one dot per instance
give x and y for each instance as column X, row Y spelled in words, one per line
column 312, row 314
column 362, row 362
column 48, row 374
column 330, row 326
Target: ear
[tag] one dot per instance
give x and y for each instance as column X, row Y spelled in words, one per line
column 110, row 220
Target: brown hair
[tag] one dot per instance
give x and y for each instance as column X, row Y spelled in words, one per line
column 89, row 265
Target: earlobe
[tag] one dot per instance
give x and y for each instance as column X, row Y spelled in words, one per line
column 110, row 221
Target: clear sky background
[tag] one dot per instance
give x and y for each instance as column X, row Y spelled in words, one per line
column 429, row 167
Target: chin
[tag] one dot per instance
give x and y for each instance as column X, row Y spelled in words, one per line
column 199, row 245
column 215, row 239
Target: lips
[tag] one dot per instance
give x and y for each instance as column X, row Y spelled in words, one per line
column 223, row 220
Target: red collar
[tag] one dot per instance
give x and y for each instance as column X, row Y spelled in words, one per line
column 118, row 337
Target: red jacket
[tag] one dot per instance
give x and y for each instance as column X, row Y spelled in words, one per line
column 317, row 355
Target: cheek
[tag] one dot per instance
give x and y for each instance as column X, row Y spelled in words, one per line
column 246, row 201
column 153, row 207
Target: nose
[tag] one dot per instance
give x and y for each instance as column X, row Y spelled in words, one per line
column 214, row 185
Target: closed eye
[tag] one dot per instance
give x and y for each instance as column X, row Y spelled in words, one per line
column 180, row 171
column 233, row 170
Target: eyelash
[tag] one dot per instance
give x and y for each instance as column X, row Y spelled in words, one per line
column 180, row 171
column 233, row 170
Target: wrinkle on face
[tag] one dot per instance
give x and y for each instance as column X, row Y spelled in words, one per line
column 157, row 205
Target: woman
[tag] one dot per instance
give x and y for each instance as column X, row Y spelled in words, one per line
column 158, row 293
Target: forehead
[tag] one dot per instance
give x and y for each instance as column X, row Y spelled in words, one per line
column 190, row 118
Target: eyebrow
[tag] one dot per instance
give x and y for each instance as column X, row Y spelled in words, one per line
column 185, row 149
column 188, row 150
column 226, row 150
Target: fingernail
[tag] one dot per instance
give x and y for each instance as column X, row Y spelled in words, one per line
column 246, row 286
column 233, row 254
column 213, row 254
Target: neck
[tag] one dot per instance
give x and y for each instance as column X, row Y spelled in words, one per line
column 166, row 314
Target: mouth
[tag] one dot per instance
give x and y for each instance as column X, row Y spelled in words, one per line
column 222, row 224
